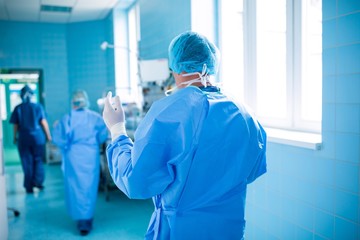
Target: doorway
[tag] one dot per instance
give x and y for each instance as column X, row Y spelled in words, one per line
column 11, row 82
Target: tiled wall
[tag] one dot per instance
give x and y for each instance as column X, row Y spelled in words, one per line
column 315, row 194
column 87, row 62
column 38, row 46
column 69, row 55
column 161, row 21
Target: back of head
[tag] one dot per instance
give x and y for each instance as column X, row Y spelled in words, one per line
column 26, row 93
column 189, row 51
column 80, row 99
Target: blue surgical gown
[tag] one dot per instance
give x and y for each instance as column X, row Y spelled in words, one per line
column 78, row 135
column 194, row 153
column 31, row 142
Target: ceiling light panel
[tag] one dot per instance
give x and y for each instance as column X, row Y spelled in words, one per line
column 57, row 9
column 66, row 3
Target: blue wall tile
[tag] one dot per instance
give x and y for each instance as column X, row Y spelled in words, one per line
column 324, row 224
column 345, row 229
column 348, row 30
column 347, row 118
column 347, row 147
column 274, row 223
column 159, row 27
column 288, row 230
column 276, row 202
column 325, row 198
column 328, row 91
column 347, row 59
column 329, row 61
column 276, row 181
column 328, row 117
column 348, row 89
column 305, row 216
column 318, row 237
column 329, row 9
column 345, row 203
column 288, row 211
column 347, row 6
column 347, row 176
column 303, row 234
column 325, row 169
column 329, row 35
column 260, row 233
column 328, row 145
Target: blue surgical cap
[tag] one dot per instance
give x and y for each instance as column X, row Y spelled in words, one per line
column 189, row 51
column 25, row 93
column 80, row 99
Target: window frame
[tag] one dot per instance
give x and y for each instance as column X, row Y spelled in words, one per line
column 295, row 132
column 293, row 121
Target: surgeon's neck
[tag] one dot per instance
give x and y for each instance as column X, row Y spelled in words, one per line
column 179, row 79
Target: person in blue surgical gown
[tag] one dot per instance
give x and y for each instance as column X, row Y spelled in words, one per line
column 31, row 130
column 78, row 134
column 194, row 152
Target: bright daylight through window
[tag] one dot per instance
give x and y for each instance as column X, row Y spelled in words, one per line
column 271, row 58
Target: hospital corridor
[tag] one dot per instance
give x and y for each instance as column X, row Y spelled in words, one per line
column 43, row 214
column 180, row 119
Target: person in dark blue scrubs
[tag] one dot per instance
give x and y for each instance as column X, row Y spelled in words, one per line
column 31, row 130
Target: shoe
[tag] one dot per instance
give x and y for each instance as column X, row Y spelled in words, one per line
column 40, row 187
column 84, row 232
column 84, row 226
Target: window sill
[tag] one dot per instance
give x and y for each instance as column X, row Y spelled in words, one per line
column 298, row 139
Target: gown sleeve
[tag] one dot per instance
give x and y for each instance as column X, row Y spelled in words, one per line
column 61, row 133
column 146, row 167
column 142, row 170
column 260, row 164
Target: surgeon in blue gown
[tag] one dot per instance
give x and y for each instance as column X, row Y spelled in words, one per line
column 31, row 131
column 79, row 134
column 194, row 153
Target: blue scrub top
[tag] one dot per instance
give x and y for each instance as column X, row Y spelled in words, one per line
column 194, row 153
column 28, row 116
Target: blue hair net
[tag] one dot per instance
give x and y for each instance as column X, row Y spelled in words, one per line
column 189, row 51
column 25, row 93
column 80, row 99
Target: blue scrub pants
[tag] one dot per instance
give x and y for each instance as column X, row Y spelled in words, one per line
column 32, row 157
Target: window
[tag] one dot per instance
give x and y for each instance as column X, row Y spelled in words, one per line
column 271, row 58
column 126, row 37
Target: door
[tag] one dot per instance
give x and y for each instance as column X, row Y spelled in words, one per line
column 3, row 208
column 10, row 86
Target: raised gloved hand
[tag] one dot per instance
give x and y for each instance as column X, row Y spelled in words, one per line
column 114, row 116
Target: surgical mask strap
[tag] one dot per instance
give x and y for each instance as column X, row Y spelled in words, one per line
column 167, row 92
column 203, row 77
column 27, row 96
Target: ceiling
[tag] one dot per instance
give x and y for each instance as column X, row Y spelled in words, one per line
column 58, row 11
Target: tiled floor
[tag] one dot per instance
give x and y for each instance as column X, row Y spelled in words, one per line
column 43, row 214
